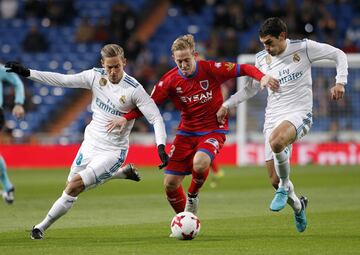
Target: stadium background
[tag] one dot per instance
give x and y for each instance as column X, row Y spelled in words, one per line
column 66, row 36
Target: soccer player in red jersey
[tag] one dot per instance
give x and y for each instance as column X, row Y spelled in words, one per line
column 194, row 88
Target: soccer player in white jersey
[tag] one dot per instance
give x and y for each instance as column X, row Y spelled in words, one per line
column 288, row 115
column 105, row 147
column 8, row 193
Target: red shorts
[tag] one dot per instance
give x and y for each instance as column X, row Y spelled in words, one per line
column 184, row 148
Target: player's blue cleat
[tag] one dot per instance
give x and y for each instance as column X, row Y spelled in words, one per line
column 280, row 199
column 300, row 218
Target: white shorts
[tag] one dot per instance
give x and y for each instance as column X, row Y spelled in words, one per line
column 302, row 122
column 96, row 165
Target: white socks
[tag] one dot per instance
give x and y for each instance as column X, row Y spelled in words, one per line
column 293, row 199
column 282, row 167
column 59, row 208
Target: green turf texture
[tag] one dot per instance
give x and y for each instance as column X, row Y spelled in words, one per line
column 124, row 217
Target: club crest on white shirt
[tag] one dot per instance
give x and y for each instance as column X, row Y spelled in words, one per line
column 102, row 82
column 296, row 58
column 204, row 84
column 122, row 99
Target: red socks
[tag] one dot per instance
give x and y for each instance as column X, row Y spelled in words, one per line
column 197, row 181
column 177, row 199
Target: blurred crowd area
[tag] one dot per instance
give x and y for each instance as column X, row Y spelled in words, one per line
column 66, row 36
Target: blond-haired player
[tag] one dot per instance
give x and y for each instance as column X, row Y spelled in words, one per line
column 104, row 149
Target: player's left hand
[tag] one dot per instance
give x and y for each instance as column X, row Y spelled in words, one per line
column 221, row 114
column 338, row 91
column 116, row 123
column 163, row 156
column 270, row 82
column 18, row 111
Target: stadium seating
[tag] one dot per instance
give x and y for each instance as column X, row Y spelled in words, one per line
column 66, row 56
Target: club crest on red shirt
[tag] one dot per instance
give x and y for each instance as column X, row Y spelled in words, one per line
column 204, row 84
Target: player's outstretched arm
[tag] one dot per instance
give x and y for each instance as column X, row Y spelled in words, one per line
column 270, row 82
column 16, row 67
column 265, row 80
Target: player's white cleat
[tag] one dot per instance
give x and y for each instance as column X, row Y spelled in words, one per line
column 131, row 173
column 192, row 204
column 9, row 196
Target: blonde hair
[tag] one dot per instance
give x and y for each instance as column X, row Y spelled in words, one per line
column 184, row 42
column 112, row 50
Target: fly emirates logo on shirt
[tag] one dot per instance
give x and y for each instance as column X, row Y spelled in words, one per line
column 202, row 97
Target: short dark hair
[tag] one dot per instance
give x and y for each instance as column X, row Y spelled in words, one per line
column 272, row 26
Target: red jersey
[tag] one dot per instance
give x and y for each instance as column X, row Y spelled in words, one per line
column 199, row 96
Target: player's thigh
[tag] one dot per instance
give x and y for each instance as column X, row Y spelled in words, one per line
column 181, row 156
column 82, row 159
column 290, row 128
column 209, row 144
column 102, row 167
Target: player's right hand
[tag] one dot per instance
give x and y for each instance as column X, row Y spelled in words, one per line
column 221, row 114
column 18, row 111
column 16, row 67
column 270, row 82
column 119, row 123
column 163, row 156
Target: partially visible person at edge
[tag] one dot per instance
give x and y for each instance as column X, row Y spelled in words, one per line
column 8, row 193
column 288, row 115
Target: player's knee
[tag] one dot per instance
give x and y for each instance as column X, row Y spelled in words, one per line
column 75, row 187
column 276, row 143
column 201, row 166
column 171, row 186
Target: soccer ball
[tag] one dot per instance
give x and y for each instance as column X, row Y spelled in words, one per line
column 185, row 226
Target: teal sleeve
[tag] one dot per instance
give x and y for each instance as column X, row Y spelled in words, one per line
column 15, row 81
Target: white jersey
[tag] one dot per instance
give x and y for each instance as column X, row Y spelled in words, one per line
column 108, row 102
column 293, row 70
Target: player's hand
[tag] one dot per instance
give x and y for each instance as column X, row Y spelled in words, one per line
column 270, row 82
column 16, row 67
column 18, row 111
column 119, row 123
column 338, row 91
column 163, row 156
column 221, row 114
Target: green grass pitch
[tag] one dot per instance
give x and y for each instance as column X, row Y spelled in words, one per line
column 124, row 217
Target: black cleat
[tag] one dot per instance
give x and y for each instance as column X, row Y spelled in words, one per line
column 131, row 173
column 36, row 234
column 304, row 201
column 9, row 196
